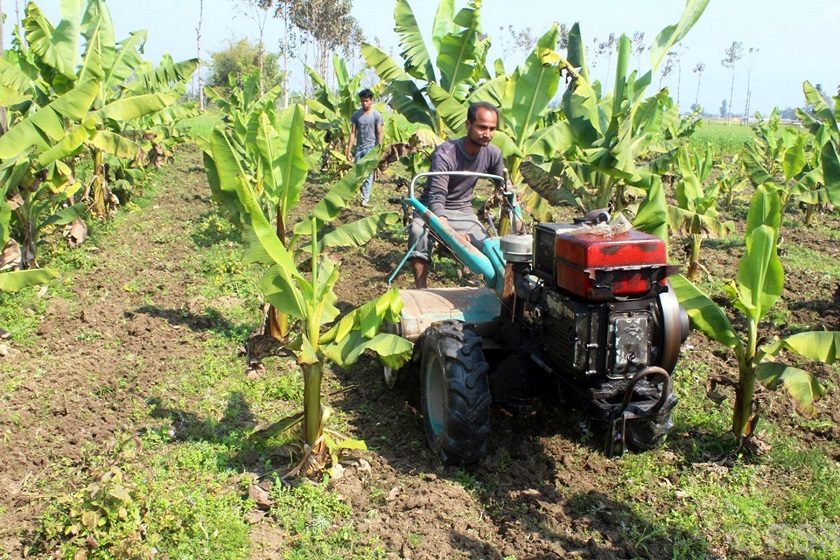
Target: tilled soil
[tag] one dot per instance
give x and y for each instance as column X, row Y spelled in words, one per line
column 544, row 490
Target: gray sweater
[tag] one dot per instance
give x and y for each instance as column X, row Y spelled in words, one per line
column 453, row 192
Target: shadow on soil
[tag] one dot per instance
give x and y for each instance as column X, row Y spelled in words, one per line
column 190, row 427
column 211, row 321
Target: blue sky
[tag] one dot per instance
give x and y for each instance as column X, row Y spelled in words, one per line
column 792, row 41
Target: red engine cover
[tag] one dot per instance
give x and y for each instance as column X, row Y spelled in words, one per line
column 602, row 268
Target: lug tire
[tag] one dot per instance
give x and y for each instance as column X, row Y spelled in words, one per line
column 455, row 393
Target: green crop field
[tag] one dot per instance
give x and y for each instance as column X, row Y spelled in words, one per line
column 723, row 138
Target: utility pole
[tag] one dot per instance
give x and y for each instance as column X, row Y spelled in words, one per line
column 4, row 117
column 750, row 63
column 198, row 48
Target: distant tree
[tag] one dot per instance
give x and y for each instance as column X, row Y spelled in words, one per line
column 677, row 53
column 734, row 53
column 639, row 47
column 258, row 12
column 326, row 24
column 512, row 41
column 724, row 109
column 667, row 67
column 788, row 113
column 604, row 49
column 563, row 40
column 283, row 10
column 698, row 69
column 241, row 58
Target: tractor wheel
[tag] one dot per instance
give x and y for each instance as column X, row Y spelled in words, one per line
column 644, row 434
column 455, row 393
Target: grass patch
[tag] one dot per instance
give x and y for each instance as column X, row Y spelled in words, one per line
column 202, row 125
column 317, row 525
column 20, row 314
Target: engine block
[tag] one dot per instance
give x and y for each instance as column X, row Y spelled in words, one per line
column 599, row 339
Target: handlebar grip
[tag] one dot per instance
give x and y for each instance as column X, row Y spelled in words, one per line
column 395, row 199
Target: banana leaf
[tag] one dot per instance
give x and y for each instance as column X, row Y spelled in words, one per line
column 705, row 315
column 831, row 172
column 693, row 223
column 802, row 386
column 407, row 98
column 815, row 99
column 418, row 63
column 358, row 233
column 291, row 163
column 129, row 108
column 281, row 284
column 444, row 22
column 56, row 47
column 340, row 195
column 459, row 52
column 652, row 216
column 760, row 274
column 765, row 209
column 92, row 64
column 449, row 109
column 46, row 126
column 821, row 346
column 394, row 351
column 17, row 280
column 529, row 91
column 116, row 145
column 15, row 85
column 546, row 185
column 794, row 158
column 673, row 34
column 127, row 61
column 159, row 79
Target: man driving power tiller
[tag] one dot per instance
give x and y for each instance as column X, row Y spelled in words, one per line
column 450, row 197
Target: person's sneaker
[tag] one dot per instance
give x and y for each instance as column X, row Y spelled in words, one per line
column 365, row 204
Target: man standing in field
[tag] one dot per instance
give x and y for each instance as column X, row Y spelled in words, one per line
column 450, row 197
column 366, row 133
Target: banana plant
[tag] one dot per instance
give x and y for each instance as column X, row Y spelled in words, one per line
column 789, row 158
column 695, row 214
column 266, row 173
column 35, row 181
column 825, row 133
column 610, row 132
column 759, row 284
column 310, row 301
column 269, row 158
column 730, row 181
column 410, row 143
column 12, row 277
column 110, row 64
column 47, row 200
column 456, row 65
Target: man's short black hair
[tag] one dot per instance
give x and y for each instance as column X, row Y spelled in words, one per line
column 471, row 112
column 366, row 94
